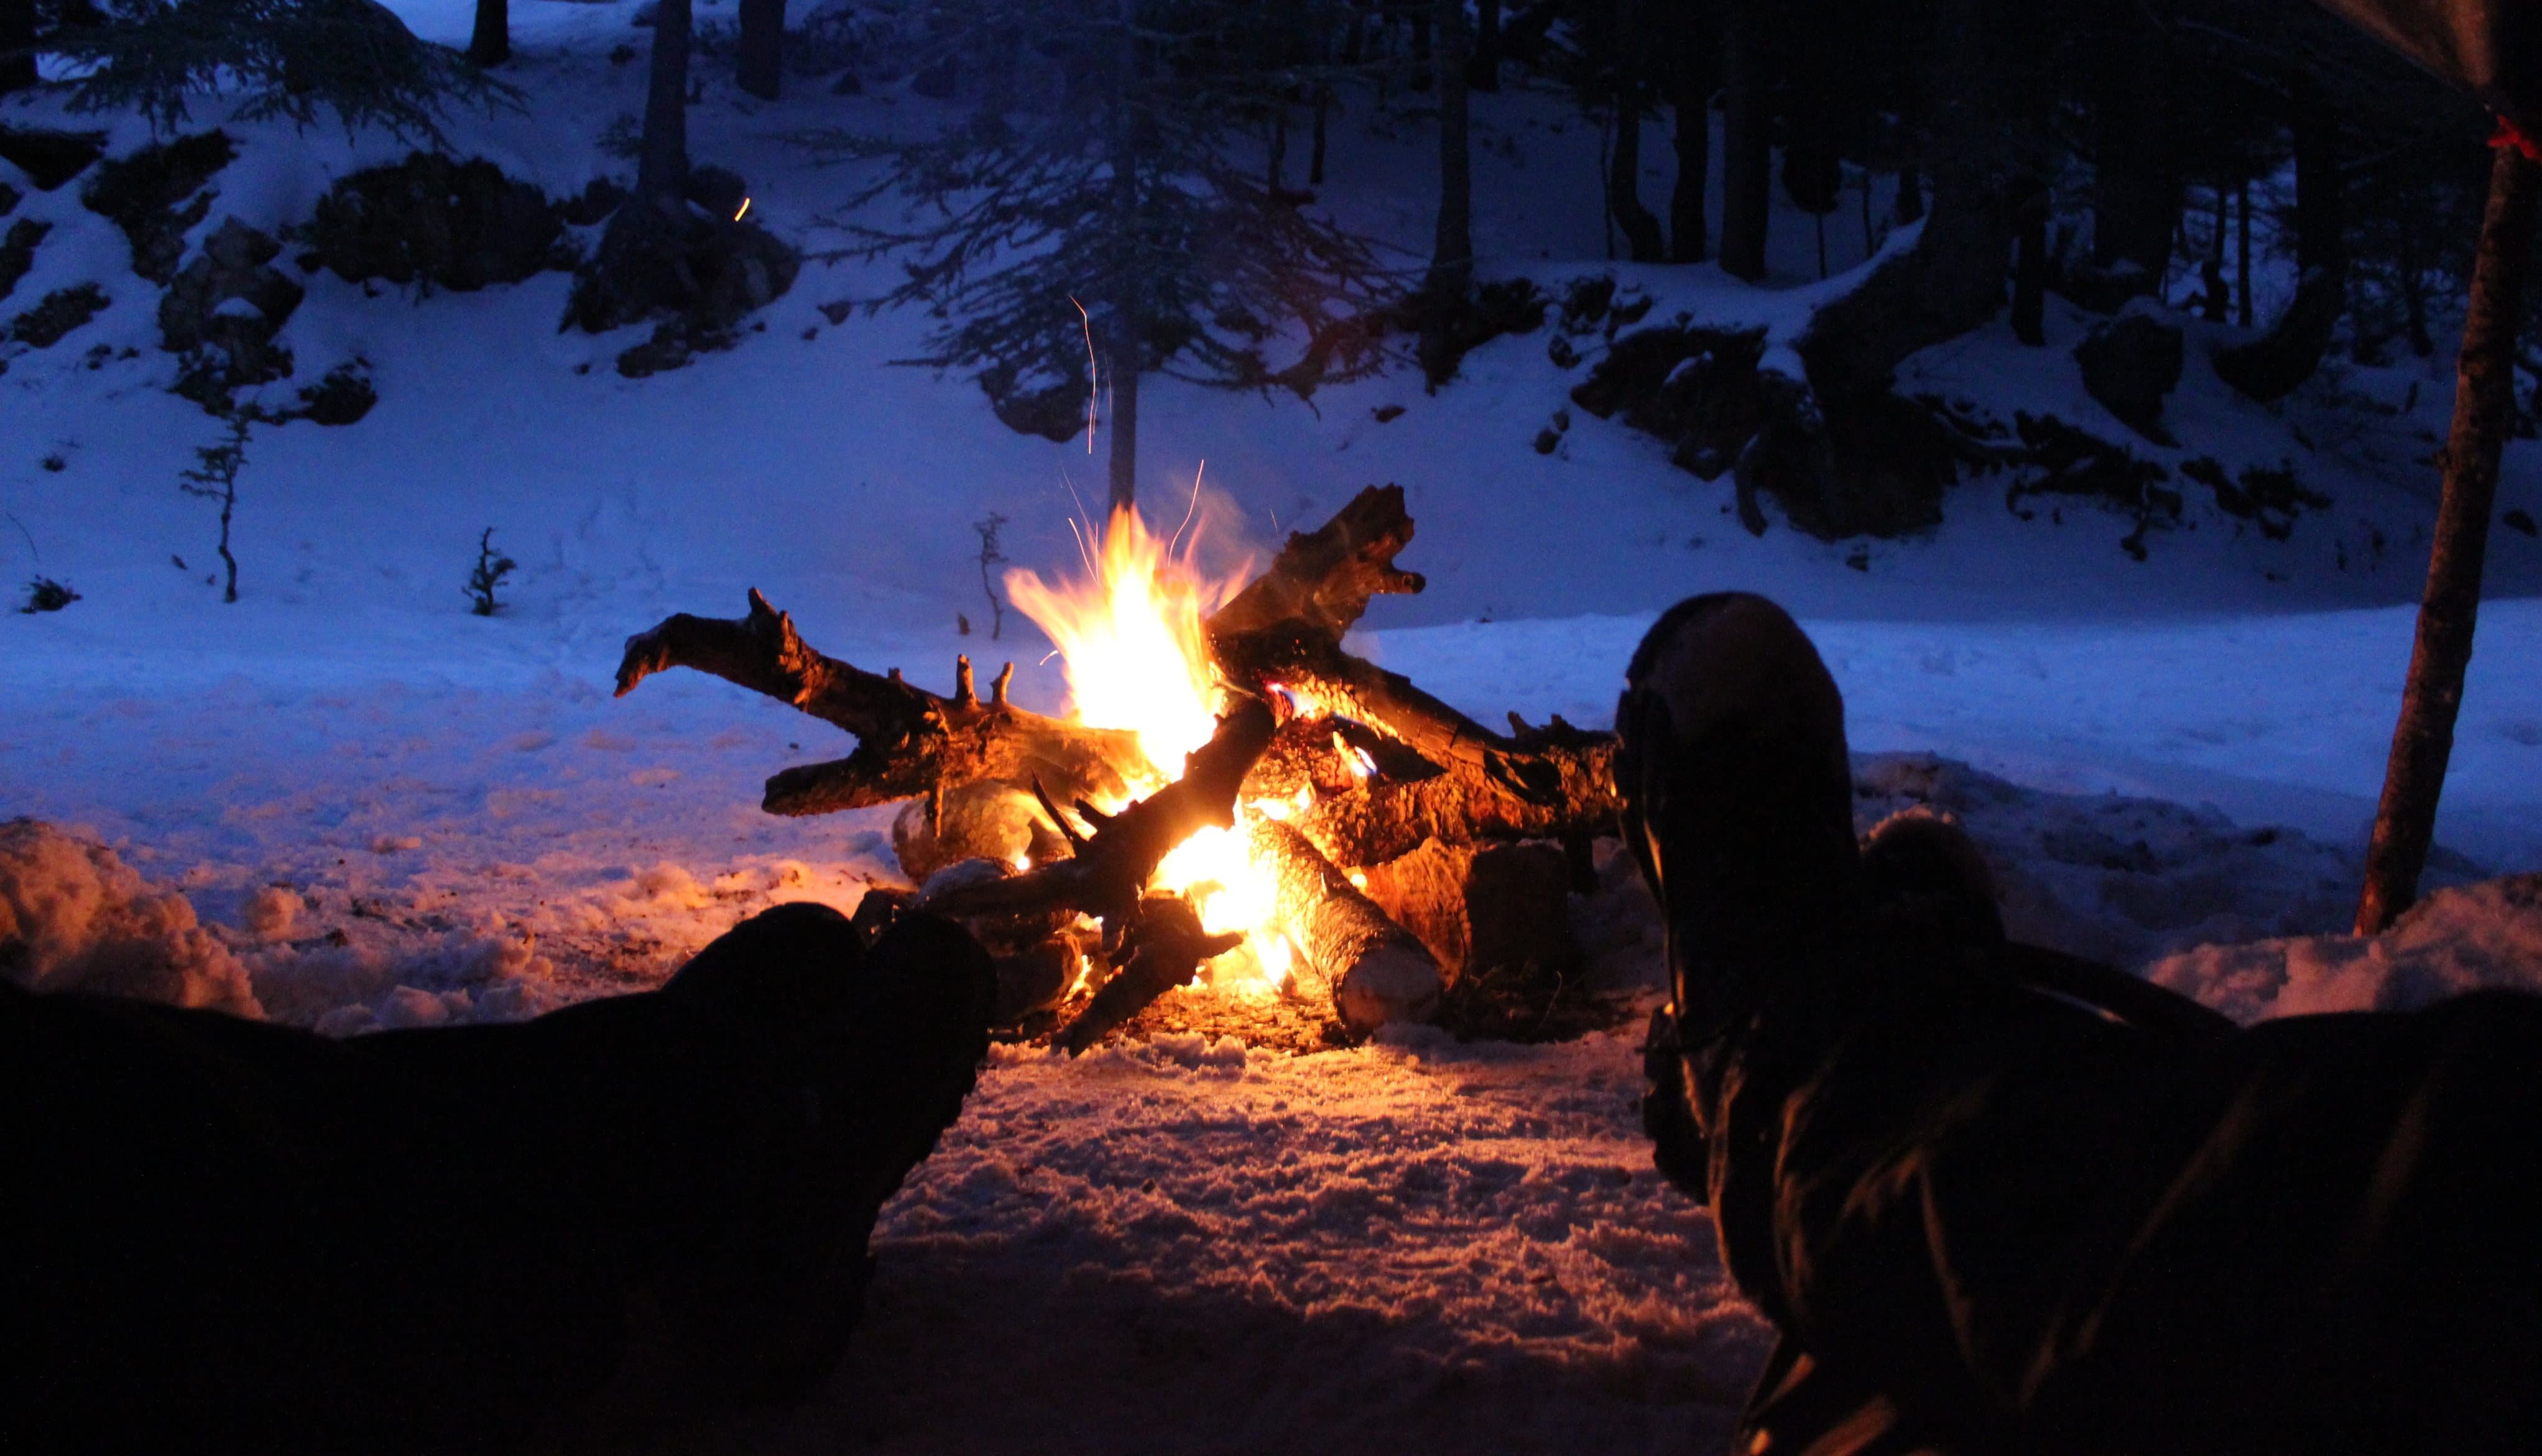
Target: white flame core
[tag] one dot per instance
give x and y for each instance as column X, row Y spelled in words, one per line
column 1130, row 639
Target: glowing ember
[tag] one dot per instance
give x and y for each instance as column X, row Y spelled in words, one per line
column 1129, row 635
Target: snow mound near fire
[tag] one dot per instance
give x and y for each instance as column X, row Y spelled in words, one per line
column 2470, row 937
column 74, row 916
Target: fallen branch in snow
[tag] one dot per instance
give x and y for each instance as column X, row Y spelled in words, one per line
column 910, row 742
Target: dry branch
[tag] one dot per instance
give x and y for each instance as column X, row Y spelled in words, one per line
column 910, row 742
column 1286, row 628
column 1378, row 971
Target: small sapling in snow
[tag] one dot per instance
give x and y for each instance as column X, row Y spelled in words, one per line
column 215, row 478
column 989, row 527
column 487, row 574
column 45, row 594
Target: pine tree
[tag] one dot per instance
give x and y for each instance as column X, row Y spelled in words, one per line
column 293, row 59
column 1101, row 197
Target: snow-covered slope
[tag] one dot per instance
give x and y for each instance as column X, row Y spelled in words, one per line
column 388, row 811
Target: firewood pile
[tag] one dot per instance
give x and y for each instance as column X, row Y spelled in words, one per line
column 1415, row 855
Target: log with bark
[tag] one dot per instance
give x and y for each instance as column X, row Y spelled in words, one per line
column 1378, row 971
column 910, row 742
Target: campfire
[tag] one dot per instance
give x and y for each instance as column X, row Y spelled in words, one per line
column 1234, row 801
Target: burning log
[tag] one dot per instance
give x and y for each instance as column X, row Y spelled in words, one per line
column 1164, row 951
column 1284, row 629
column 1110, row 870
column 1378, row 971
column 1482, row 910
column 1370, row 768
column 910, row 742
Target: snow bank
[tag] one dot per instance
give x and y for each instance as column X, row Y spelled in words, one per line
column 73, row 917
column 2465, row 939
column 2114, row 878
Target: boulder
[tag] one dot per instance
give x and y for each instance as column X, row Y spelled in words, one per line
column 455, row 225
column 225, row 307
column 49, row 158
column 62, row 310
column 696, row 276
column 2128, row 365
column 18, row 251
column 157, row 194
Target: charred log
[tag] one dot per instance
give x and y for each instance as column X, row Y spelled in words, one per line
column 1110, row 868
column 1164, row 952
column 1285, row 631
column 910, row 742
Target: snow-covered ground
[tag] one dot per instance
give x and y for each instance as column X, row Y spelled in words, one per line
column 387, row 810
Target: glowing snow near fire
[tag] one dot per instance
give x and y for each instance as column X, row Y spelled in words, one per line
column 1128, row 636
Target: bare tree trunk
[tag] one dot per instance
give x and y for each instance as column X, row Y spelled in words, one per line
column 1276, row 177
column 1123, row 337
column 2135, row 199
column 2214, row 306
column 1623, row 182
column 662, row 165
column 489, row 45
column 2405, row 822
column 759, row 56
column 1316, row 156
column 1451, row 257
column 1419, row 19
column 1483, row 70
column 2242, row 269
column 2030, row 265
column 1910, row 206
column 2273, row 365
column 1691, row 106
column 1747, row 140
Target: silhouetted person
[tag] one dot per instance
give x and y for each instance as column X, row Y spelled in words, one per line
column 228, row 1236
column 1999, row 1199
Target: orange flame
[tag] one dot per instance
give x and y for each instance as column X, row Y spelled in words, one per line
column 1129, row 635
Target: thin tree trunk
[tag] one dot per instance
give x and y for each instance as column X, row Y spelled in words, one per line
column 16, row 46
column 489, row 45
column 1420, row 23
column 759, row 56
column 1451, row 257
column 1691, row 107
column 1747, row 140
column 1910, row 206
column 1279, row 149
column 2414, row 294
column 1623, row 187
column 1483, row 70
column 229, row 503
column 662, row 165
column 2134, row 201
column 2276, row 364
column 2405, row 822
column 1122, row 339
column 2215, row 306
column 2242, row 268
column 2030, row 266
column 1124, row 377
column 1316, row 156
